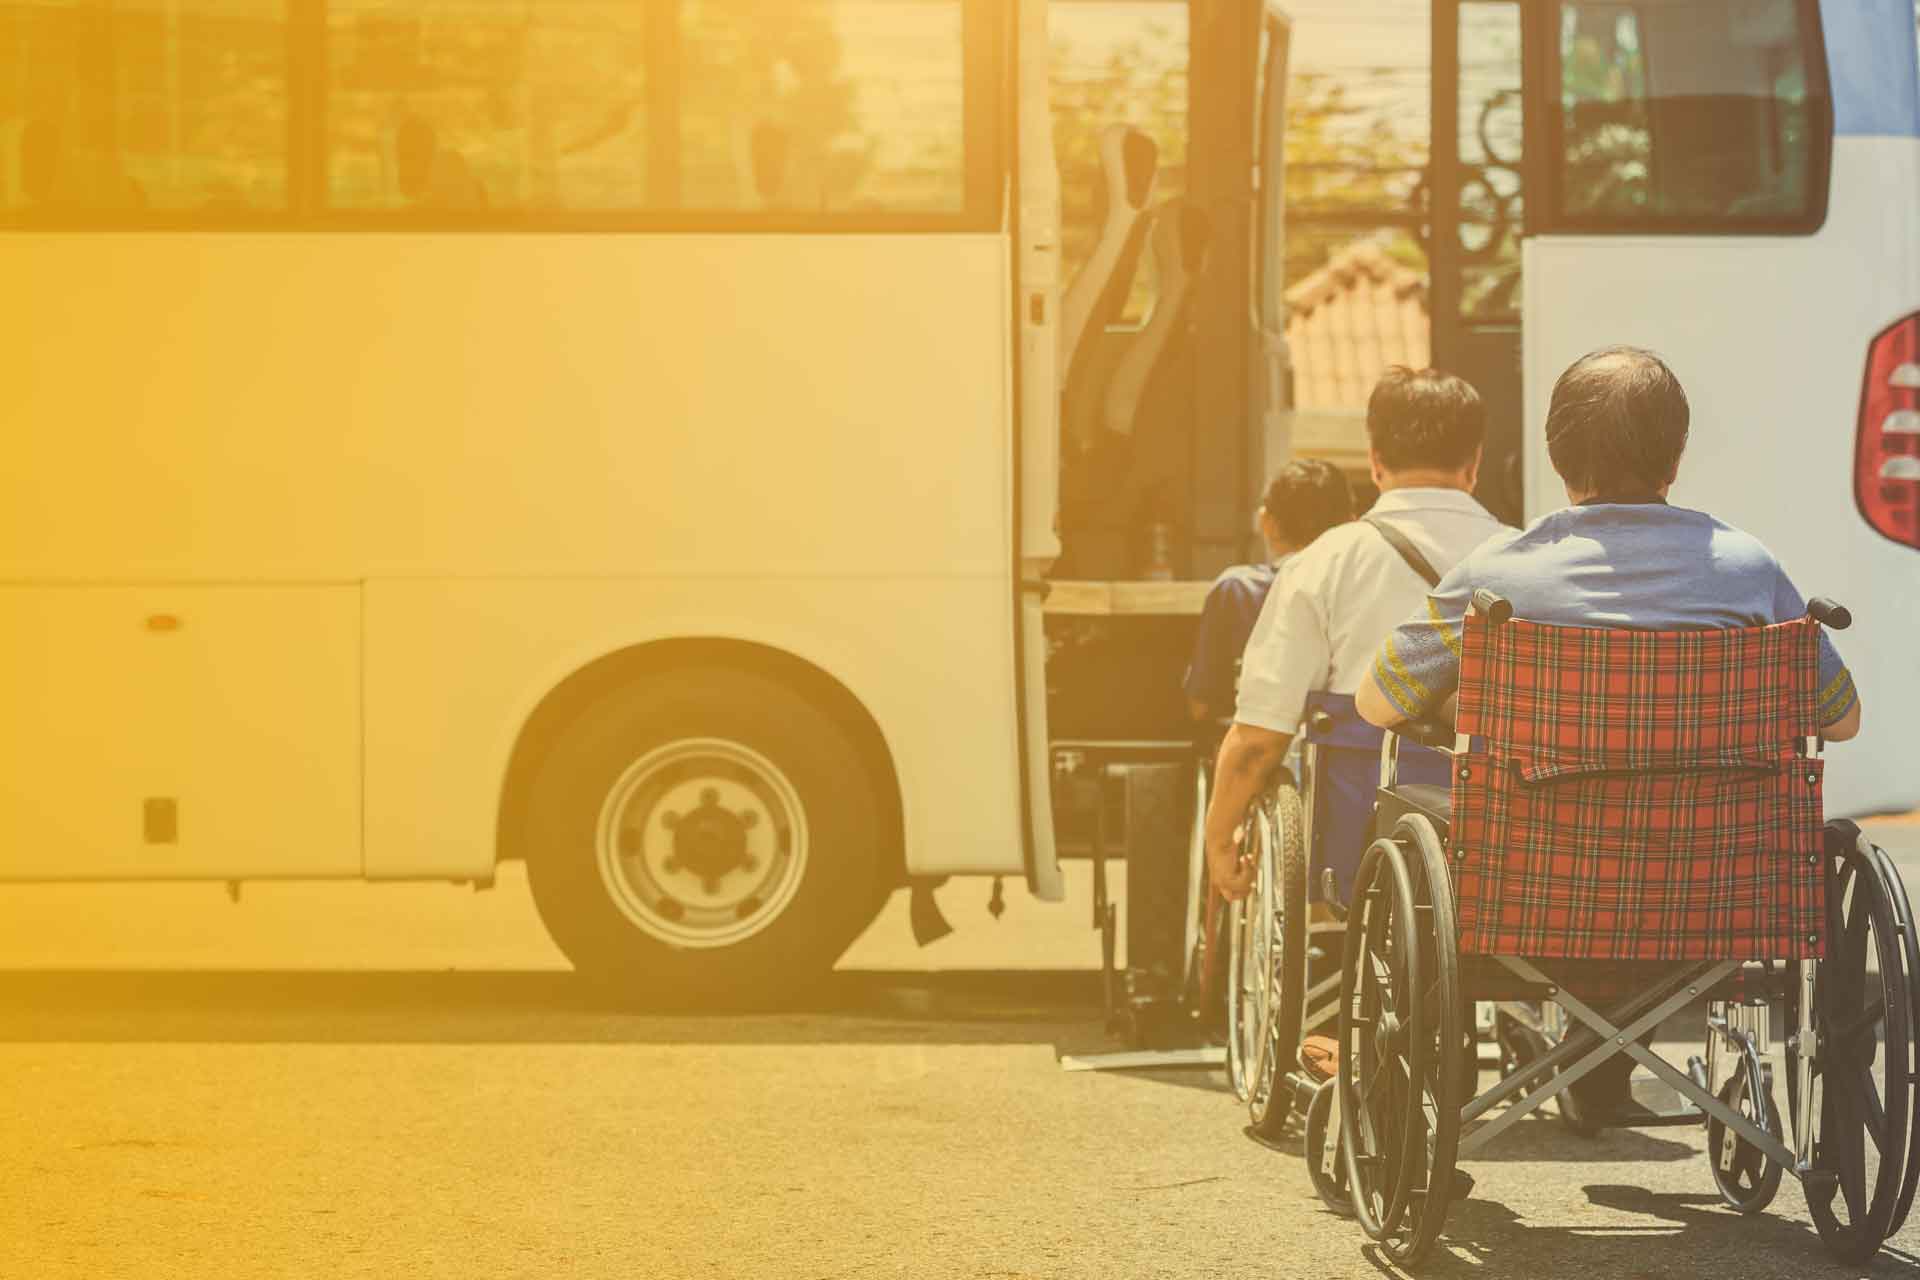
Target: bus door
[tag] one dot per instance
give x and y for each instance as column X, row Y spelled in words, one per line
column 1475, row 216
column 1272, row 394
column 1036, row 466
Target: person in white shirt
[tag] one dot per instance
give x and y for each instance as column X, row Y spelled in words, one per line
column 1334, row 602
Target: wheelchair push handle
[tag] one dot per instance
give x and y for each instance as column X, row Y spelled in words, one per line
column 1829, row 613
column 1497, row 608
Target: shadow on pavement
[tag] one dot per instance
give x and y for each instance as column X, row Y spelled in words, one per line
column 1678, row 1235
column 971, row 1007
column 1542, row 1138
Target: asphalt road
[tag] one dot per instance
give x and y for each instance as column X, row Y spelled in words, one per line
column 404, row 1081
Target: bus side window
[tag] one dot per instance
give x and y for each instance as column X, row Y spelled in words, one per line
column 116, row 109
column 1694, row 111
column 813, row 107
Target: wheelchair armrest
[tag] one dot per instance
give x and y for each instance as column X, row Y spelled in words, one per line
column 1434, row 730
column 1428, row 733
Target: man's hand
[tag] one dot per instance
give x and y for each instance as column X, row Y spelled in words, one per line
column 1248, row 757
column 1230, row 866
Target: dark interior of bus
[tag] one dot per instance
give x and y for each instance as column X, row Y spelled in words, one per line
column 1241, row 266
column 1261, row 213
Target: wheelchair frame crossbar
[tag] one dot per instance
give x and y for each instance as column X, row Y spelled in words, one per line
column 1577, row 1042
column 1680, row 1081
column 1600, row 1039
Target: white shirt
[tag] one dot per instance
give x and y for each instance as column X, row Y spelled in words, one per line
column 1334, row 602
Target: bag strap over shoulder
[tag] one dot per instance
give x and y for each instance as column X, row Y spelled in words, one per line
column 1408, row 552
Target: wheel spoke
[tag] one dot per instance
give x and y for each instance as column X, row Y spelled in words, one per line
column 1850, row 1153
column 1866, row 1020
column 1873, row 1115
column 1379, row 1076
column 1382, row 990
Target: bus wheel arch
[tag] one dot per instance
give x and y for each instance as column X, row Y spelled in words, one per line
column 782, row 780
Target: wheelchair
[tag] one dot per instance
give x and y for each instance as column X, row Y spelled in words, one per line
column 1632, row 825
column 1306, row 833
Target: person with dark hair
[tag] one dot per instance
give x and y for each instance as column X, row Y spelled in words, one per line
column 1617, row 556
column 1332, row 602
column 1305, row 499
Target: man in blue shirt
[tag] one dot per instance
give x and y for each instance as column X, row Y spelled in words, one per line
column 1618, row 556
column 1303, row 501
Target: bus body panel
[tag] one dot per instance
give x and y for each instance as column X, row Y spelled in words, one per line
column 1769, row 336
column 172, row 731
column 936, row 679
column 534, row 449
column 300, row 407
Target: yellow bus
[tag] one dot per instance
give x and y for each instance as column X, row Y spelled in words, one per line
column 616, row 435
column 725, row 453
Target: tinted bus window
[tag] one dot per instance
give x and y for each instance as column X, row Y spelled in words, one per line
column 1116, row 62
column 740, row 106
column 143, row 105
column 1690, row 114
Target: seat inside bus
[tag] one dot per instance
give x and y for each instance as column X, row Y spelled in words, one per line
column 1126, row 439
column 1129, row 161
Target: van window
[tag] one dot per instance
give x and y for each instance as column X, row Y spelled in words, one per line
column 1690, row 115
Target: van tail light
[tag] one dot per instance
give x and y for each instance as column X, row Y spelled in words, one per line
column 1886, row 457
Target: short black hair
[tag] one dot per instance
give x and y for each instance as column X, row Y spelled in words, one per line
column 1306, row 498
column 1617, row 424
column 1425, row 420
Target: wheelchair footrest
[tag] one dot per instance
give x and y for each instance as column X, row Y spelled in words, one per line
column 1654, row 1105
column 1634, row 1116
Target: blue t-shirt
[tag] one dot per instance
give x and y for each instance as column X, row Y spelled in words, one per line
column 1639, row 565
column 1226, row 622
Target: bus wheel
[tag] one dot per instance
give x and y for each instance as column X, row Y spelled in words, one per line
column 710, row 838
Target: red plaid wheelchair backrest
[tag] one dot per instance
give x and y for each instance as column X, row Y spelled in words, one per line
column 1638, row 795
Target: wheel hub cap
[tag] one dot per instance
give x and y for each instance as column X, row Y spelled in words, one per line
column 709, row 841
column 702, row 842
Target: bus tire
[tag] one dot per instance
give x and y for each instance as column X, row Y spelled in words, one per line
column 706, row 838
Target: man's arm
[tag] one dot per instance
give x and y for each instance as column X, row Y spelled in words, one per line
column 1418, row 664
column 1837, row 701
column 1248, row 759
column 1286, row 656
column 1375, row 707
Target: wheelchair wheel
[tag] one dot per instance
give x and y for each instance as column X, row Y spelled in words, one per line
column 1283, row 904
column 1326, row 1162
column 1402, row 1020
column 1193, row 981
column 1745, row 1178
column 1862, row 1016
column 1249, row 959
column 1896, row 890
